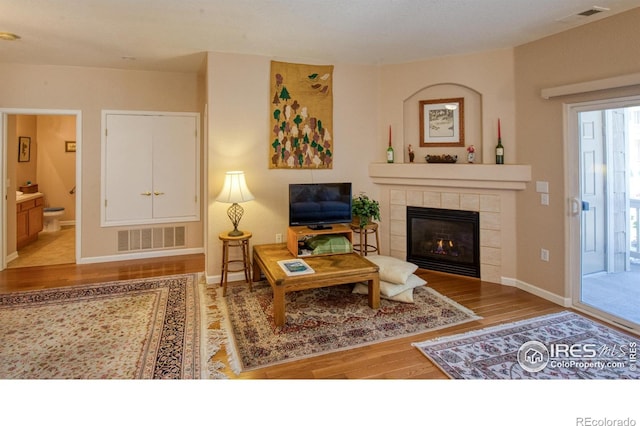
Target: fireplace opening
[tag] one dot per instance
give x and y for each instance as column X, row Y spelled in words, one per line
column 444, row 240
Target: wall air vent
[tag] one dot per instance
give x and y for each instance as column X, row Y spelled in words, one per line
column 142, row 239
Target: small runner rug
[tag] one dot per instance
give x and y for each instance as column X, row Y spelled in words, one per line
column 326, row 320
column 557, row 346
column 137, row 329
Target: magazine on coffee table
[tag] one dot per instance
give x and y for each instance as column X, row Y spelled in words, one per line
column 293, row 267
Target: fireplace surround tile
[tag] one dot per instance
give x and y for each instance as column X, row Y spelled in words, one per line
column 490, row 255
column 415, row 198
column 490, row 220
column 470, row 202
column 432, row 199
column 398, row 197
column 491, row 238
column 450, row 200
column 398, row 227
column 397, row 213
column 488, row 205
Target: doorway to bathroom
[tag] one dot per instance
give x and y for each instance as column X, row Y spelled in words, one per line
column 41, row 212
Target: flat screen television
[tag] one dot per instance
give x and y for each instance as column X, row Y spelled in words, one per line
column 318, row 205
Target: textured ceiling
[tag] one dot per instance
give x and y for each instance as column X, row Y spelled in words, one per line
column 173, row 34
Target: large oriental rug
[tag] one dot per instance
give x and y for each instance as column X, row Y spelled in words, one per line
column 326, row 320
column 152, row 328
column 557, row 346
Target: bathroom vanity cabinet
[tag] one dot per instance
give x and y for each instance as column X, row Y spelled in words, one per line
column 30, row 218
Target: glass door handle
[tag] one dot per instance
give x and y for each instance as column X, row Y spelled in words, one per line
column 574, row 206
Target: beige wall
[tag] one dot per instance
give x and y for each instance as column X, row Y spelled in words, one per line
column 27, row 170
column 238, row 125
column 487, row 75
column 91, row 90
column 606, row 48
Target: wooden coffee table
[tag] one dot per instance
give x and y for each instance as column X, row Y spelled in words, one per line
column 329, row 270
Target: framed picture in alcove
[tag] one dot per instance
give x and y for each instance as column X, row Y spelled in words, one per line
column 442, row 122
column 24, row 149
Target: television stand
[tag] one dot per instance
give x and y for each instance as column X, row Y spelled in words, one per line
column 297, row 233
column 319, row 227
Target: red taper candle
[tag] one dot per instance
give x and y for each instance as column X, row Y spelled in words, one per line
column 499, row 129
column 389, row 135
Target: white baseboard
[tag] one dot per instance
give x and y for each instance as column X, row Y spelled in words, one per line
column 67, row 223
column 234, row 276
column 537, row 291
column 139, row 255
column 12, row 256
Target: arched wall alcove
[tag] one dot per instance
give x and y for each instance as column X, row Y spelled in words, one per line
column 472, row 122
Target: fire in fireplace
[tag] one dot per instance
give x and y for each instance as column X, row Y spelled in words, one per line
column 444, row 240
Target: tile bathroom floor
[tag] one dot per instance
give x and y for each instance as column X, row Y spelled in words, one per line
column 51, row 248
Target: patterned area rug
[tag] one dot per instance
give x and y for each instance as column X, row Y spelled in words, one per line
column 138, row 329
column 558, row 346
column 327, row 320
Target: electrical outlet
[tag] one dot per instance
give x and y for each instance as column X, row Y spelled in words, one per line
column 544, row 255
column 544, row 199
column 278, row 238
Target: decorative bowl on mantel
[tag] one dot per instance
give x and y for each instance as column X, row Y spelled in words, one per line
column 441, row 158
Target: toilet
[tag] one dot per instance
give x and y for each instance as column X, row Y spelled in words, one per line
column 51, row 216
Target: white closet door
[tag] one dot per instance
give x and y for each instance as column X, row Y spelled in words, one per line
column 128, row 183
column 175, row 168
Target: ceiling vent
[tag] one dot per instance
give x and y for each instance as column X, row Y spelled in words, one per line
column 578, row 17
column 593, row 11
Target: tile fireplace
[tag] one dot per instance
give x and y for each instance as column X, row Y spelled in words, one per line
column 486, row 189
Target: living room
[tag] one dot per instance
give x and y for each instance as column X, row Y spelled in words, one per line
column 231, row 92
column 231, row 85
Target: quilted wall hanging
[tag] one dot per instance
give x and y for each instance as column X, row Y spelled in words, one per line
column 301, row 116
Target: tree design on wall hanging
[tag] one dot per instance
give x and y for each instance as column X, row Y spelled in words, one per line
column 301, row 116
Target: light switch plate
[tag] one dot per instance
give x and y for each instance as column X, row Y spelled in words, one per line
column 542, row 186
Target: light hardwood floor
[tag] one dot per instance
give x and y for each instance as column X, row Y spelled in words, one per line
column 395, row 359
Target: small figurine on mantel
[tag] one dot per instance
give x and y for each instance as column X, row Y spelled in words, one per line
column 412, row 155
column 471, row 153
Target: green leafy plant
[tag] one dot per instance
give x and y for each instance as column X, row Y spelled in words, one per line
column 365, row 209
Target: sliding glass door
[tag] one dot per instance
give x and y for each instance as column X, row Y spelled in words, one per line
column 604, row 142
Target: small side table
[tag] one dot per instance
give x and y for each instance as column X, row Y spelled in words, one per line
column 363, row 247
column 241, row 241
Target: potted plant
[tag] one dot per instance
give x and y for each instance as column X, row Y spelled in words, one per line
column 364, row 210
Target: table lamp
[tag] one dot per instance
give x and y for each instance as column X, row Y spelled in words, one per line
column 235, row 191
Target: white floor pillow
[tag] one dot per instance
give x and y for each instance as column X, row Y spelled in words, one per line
column 392, row 270
column 396, row 292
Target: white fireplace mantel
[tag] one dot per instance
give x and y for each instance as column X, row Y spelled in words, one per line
column 485, row 176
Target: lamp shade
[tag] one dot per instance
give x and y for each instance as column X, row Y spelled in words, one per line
column 235, row 189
